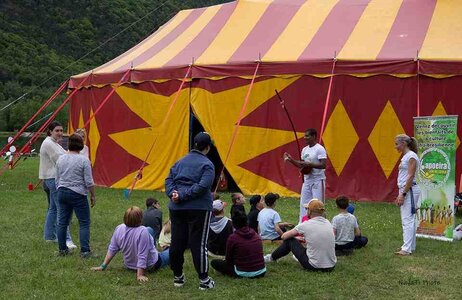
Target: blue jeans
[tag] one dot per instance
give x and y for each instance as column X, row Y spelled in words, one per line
column 52, row 212
column 71, row 201
column 153, row 233
column 165, row 258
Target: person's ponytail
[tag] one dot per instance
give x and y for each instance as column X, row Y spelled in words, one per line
column 412, row 144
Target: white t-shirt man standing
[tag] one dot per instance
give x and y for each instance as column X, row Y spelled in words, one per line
column 312, row 164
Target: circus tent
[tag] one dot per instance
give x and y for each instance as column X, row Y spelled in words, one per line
column 357, row 70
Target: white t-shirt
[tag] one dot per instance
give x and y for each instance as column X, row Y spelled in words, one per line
column 404, row 166
column 314, row 155
column 344, row 225
column 320, row 242
column 267, row 219
column 50, row 151
column 85, row 151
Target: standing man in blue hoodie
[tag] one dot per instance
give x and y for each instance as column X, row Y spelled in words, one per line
column 188, row 185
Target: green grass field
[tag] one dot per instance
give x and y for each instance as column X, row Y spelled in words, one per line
column 31, row 269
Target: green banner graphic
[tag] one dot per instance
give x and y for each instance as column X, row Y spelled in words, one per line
column 436, row 137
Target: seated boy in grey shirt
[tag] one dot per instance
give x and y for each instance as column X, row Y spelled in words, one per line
column 346, row 229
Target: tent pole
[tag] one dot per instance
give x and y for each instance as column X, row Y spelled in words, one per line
column 106, row 99
column 139, row 174
column 418, row 84
column 284, row 107
column 44, row 105
column 324, row 116
column 241, row 116
column 28, row 145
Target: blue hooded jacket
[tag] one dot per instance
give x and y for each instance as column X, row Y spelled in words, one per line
column 192, row 177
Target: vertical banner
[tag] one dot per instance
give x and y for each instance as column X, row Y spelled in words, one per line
column 436, row 137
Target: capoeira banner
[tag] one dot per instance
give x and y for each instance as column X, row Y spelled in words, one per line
column 436, row 137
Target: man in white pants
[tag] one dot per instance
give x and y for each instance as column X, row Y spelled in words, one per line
column 312, row 164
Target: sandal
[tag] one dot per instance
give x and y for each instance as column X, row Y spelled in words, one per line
column 402, row 253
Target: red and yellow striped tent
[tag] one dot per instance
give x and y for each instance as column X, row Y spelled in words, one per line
column 394, row 59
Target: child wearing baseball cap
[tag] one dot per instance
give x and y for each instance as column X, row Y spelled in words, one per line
column 221, row 228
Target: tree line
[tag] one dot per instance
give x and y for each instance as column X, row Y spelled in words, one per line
column 41, row 42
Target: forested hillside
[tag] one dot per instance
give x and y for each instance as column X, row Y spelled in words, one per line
column 41, row 42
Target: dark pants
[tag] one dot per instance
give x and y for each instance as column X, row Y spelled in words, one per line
column 190, row 228
column 358, row 242
column 71, row 201
column 223, row 267
column 294, row 246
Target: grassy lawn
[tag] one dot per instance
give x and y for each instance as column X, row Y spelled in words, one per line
column 30, row 268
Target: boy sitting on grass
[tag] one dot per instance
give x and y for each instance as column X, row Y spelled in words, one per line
column 152, row 218
column 244, row 252
column 270, row 224
column 346, row 229
column 238, row 203
column 221, row 228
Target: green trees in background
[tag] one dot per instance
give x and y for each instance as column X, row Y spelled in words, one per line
column 40, row 38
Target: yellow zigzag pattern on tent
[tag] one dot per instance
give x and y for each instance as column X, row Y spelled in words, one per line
column 93, row 136
column 340, row 137
column 250, row 141
column 382, row 139
column 440, row 111
column 174, row 135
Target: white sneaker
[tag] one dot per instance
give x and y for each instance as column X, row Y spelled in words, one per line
column 207, row 284
column 179, row 281
column 71, row 245
column 267, row 258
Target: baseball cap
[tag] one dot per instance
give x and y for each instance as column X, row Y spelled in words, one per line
column 202, row 139
column 316, row 206
column 308, row 203
column 218, row 205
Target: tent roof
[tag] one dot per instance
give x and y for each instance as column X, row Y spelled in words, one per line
column 293, row 32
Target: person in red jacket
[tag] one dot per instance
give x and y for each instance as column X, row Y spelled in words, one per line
column 244, row 251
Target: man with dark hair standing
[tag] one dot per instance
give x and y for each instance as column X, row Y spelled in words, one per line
column 312, row 165
column 188, row 186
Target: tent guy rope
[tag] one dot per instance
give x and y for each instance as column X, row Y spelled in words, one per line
column 28, row 145
column 44, row 105
column 326, row 107
column 239, row 119
column 139, row 174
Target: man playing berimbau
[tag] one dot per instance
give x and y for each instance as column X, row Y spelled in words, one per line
column 312, row 165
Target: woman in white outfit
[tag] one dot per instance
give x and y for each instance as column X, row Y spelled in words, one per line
column 83, row 133
column 409, row 191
